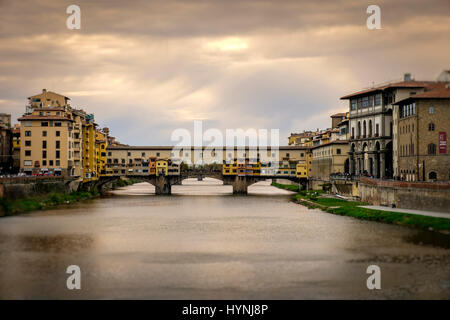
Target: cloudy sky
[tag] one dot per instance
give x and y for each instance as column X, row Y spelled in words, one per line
column 145, row 68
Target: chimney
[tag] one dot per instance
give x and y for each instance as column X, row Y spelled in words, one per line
column 44, row 90
column 407, row 77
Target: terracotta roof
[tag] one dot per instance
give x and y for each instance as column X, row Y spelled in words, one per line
column 330, row 143
column 338, row 115
column 49, row 92
column 439, row 93
column 361, row 93
column 49, row 109
column 401, row 84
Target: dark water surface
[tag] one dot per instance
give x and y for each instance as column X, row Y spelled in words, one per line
column 203, row 243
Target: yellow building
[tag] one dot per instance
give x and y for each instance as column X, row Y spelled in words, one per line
column 90, row 170
column 50, row 136
column 16, row 148
column 162, row 167
column 230, row 168
column 302, row 169
column 101, row 143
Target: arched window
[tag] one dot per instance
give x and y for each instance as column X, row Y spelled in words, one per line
column 431, row 126
column 353, row 133
column 364, row 129
column 432, row 175
column 370, row 128
column 359, row 129
column 431, row 148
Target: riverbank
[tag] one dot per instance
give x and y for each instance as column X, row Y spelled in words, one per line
column 313, row 199
column 9, row 207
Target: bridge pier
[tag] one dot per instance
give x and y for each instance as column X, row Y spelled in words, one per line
column 163, row 185
column 240, row 183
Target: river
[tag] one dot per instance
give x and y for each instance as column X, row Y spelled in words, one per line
column 204, row 243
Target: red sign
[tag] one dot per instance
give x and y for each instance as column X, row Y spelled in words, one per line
column 442, row 142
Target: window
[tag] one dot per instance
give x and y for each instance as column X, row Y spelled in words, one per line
column 365, row 102
column 364, row 129
column 353, row 133
column 143, row 154
column 377, row 129
column 57, row 124
column 57, row 154
column 44, row 123
column 431, row 149
column 57, row 163
column 44, row 144
column 432, row 175
column 58, row 133
column 44, row 154
column 338, row 151
column 27, row 162
column 431, row 110
column 58, row 144
column 28, row 153
column 27, row 133
column 27, row 143
column 129, row 154
column 44, row 133
column 109, row 153
column 44, row 162
column 157, row 154
column 431, row 126
column 378, row 99
column 353, row 104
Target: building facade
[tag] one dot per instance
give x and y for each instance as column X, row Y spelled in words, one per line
column 329, row 158
column 373, row 124
column 423, row 124
column 51, row 136
column 6, row 144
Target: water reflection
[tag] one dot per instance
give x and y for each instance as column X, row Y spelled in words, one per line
column 204, row 243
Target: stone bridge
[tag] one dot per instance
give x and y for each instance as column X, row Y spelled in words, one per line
column 163, row 184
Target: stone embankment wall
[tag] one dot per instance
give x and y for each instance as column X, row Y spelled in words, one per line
column 21, row 187
column 430, row 196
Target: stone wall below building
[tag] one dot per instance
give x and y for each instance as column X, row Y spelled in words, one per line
column 409, row 195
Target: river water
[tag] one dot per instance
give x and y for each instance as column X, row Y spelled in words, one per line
column 204, row 243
